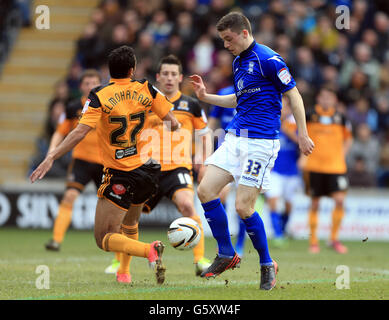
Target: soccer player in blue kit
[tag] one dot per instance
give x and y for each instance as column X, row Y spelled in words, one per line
column 251, row 144
column 220, row 117
column 285, row 177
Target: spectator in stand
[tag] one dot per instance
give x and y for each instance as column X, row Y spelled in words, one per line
column 160, row 28
column 381, row 25
column 382, row 105
column 61, row 91
column 369, row 37
column 90, row 48
column 383, row 172
column 184, row 28
column 307, row 92
column 119, row 38
column 306, row 15
column 149, row 54
column 358, row 88
column 283, row 46
column 360, row 113
column 56, row 108
column 360, row 10
column 25, row 11
column 59, row 170
column 330, row 76
column 341, row 53
column 384, row 74
column 292, row 29
column 73, row 79
column 266, row 33
column 278, row 10
column 202, row 57
column 133, row 24
column 326, row 34
column 359, row 176
column 363, row 60
column 353, row 34
column 306, row 67
column 365, row 145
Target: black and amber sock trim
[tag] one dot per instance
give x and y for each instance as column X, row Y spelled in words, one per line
column 129, row 230
column 105, row 241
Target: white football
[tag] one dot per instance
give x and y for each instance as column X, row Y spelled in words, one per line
column 184, row 233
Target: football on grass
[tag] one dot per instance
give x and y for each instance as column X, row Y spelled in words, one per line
column 184, row 233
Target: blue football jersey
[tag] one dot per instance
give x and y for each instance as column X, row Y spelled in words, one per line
column 225, row 115
column 286, row 162
column 260, row 78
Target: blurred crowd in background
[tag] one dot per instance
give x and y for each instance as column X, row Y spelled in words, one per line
column 353, row 60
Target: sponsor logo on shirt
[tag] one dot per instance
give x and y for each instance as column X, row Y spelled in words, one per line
column 240, row 84
column 118, row 189
column 250, row 178
column 284, row 76
column 239, row 93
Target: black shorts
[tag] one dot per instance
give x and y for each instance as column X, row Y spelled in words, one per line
column 81, row 172
column 324, row 184
column 169, row 182
column 133, row 187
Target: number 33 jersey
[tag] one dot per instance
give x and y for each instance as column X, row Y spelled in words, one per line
column 118, row 111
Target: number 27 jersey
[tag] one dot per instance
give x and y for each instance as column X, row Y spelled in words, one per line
column 118, row 112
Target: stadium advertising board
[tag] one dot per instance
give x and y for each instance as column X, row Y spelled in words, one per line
column 366, row 216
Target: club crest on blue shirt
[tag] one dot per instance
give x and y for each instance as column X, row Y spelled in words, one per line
column 251, row 67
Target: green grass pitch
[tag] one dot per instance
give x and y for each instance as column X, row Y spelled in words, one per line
column 77, row 271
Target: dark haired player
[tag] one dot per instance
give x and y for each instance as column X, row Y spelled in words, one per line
column 118, row 112
column 251, row 145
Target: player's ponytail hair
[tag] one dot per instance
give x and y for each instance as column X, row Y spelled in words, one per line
column 235, row 21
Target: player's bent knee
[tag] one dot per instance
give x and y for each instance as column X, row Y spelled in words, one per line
column 201, row 193
column 99, row 241
column 205, row 195
column 70, row 196
column 243, row 210
column 186, row 207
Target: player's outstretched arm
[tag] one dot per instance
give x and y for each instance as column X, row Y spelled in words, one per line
column 56, row 139
column 72, row 139
column 297, row 105
column 226, row 101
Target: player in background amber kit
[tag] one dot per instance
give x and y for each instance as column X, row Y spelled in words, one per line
column 86, row 163
column 325, row 169
column 118, row 112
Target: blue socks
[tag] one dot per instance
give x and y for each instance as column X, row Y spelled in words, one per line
column 217, row 219
column 284, row 221
column 256, row 231
column 241, row 237
column 276, row 220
